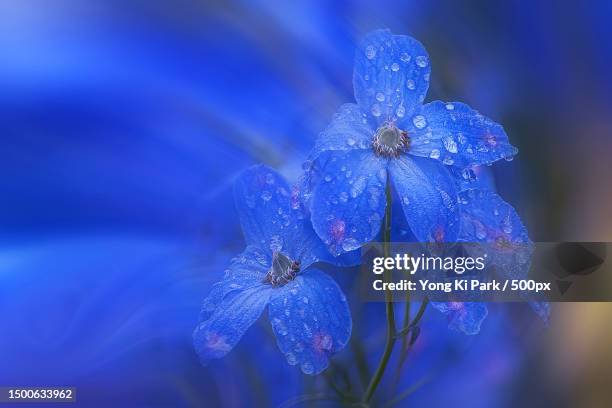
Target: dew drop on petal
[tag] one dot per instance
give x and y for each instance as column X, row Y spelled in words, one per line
column 343, row 196
column 307, row 368
column 380, row 96
column 395, row 67
column 350, row 141
column 419, row 121
column 450, row 106
column 266, row 196
column 461, row 138
column 358, row 186
column 448, row 161
column 350, row 244
column 327, row 178
column 376, row 110
column 400, row 112
column 435, row 154
column 405, row 200
column 404, row 57
column 450, row 144
column 410, row 84
column 291, row 359
column 421, row 61
column 370, row 52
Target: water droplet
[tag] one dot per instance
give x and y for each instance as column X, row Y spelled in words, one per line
column 509, row 158
column 266, row 195
column 401, row 111
column 343, row 196
column 449, row 144
column 395, row 67
column 480, row 231
column 358, row 186
column 448, row 161
column 435, row 154
column 405, row 200
column 305, row 299
column 419, row 121
column 370, row 52
column 307, row 368
column 291, row 359
column 461, row 138
column 328, row 178
column 350, row 244
column 404, row 57
column 410, row 84
column 280, row 327
column 380, row 96
column 270, row 178
column 376, row 110
column 350, row 141
column 276, row 243
column 299, row 347
column 450, row 106
column 421, row 61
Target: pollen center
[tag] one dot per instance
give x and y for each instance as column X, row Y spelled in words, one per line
column 282, row 271
column 389, row 141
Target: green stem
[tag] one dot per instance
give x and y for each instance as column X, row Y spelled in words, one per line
column 416, row 320
column 391, row 335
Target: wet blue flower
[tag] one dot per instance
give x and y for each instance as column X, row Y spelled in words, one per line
column 487, row 219
column 308, row 311
column 389, row 133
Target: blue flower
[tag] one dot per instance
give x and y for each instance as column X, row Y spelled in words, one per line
column 308, row 311
column 486, row 218
column 389, row 133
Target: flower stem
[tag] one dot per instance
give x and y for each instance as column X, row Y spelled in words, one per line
column 391, row 330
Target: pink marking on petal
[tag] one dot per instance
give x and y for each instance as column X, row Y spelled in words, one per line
column 337, row 230
column 322, row 342
column 439, row 234
column 490, row 139
column 217, row 342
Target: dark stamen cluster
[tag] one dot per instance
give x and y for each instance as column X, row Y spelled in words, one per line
column 389, row 141
column 282, row 271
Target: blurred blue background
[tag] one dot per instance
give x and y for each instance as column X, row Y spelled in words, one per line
column 122, row 125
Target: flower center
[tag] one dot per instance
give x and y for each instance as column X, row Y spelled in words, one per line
column 389, row 141
column 282, row 271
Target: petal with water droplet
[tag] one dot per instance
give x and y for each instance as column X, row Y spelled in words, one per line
column 465, row 136
column 397, row 73
column 428, row 198
column 305, row 341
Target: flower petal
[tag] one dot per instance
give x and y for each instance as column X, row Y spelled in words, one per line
column 428, row 196
column 391, row 75
column 348, row 199
column 348, row 130
column 465, row 317
column 221, row 331
column 457, row 135
column 486, row 217
column 246, row 270
column 268, row 216
column 311, row 320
